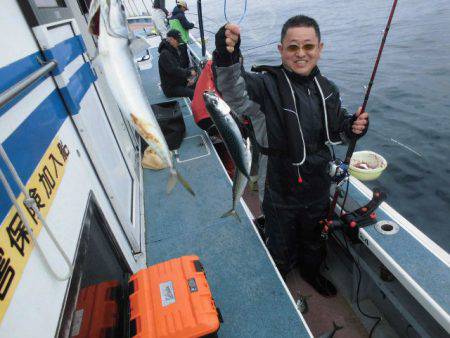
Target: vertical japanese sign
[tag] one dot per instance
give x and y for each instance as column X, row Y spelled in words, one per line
column 15, row 241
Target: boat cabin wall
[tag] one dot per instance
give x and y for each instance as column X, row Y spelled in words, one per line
column 73, row 151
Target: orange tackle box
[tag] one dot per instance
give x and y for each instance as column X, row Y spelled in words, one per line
column 97, row 312
column 172, row 299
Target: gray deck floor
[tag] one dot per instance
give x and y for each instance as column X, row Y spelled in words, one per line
column 244, row 283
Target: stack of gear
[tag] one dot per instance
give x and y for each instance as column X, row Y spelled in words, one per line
column 172, row 299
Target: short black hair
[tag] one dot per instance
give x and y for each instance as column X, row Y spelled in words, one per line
column 300, row 21
column 173, row 33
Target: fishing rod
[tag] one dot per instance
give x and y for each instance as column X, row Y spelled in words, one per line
column 200, row 25
column 352, row 145
column 340, row 170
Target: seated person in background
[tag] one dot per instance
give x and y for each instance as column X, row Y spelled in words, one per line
column 175, row 80
column 179, row 22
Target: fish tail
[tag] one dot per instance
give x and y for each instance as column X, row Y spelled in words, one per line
column 231, row 212
column 175, row 177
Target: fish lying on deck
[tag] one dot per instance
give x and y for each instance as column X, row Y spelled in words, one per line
column 239, row 149
column 107, row 21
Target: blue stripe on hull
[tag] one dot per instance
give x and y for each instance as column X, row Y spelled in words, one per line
column 14, row 73
column 79, row 84
column 26, row 146
column 65, row 52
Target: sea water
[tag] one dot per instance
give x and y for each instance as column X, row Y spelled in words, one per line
column 410, row 101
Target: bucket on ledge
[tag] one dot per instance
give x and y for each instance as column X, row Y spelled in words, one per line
column 367, row 165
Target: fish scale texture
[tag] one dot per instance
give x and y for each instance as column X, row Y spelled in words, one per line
column 243, row 281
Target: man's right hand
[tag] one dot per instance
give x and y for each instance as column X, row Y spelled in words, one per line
column 227, row 45
column 232, row 34
column 228, row 38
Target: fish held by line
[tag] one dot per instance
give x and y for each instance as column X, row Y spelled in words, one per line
column 221, row 115
column 239, row 183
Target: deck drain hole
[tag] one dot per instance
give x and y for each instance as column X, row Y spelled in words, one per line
column 387, row 227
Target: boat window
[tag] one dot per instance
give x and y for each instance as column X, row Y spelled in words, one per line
column 42, row 12
column 97, row 300
column 49, row 3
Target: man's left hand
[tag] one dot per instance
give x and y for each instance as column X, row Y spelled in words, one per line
column 360, row 123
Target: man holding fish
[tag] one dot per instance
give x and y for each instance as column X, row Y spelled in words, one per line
column 295, row 112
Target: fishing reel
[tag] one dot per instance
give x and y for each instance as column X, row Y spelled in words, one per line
column 338, row 171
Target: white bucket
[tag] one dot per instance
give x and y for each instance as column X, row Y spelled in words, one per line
column 367, row 165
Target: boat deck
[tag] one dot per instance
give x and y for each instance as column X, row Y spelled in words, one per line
column 250, row 293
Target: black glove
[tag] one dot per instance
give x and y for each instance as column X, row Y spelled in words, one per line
column 221, row 56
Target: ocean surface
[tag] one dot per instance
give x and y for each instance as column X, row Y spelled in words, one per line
column 410, row 102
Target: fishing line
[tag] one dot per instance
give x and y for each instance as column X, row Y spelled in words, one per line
column 397, row 142
column 263, row 45
column 131, row 10
column 137, row 9
column 207, row 31
column 242, row 16
column 347, row 252
column 212, row 20
column 352, row 145
column 406, row 147
column 146, row 9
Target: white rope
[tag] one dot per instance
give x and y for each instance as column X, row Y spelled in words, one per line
column 30, row 202
column 325, row 113
column 298, row 120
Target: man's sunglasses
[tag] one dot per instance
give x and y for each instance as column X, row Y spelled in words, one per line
column 308, row 47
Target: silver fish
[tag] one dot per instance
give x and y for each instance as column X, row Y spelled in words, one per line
column 107, row 21
column 220, row 113
column 239, row 183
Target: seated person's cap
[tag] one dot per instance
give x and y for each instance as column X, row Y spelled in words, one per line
column 173, row 33
column 182, row 3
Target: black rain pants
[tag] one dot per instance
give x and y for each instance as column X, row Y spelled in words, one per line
column 293, row 236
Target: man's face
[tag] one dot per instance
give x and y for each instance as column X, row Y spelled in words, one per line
column 300, row 50
column 173, row 42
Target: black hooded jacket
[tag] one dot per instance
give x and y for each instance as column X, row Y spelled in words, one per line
column 265, row 97
column 267, row 90
column 170, row 70
column 177, row 13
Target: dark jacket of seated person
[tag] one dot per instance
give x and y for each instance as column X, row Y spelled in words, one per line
column 174, row 78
